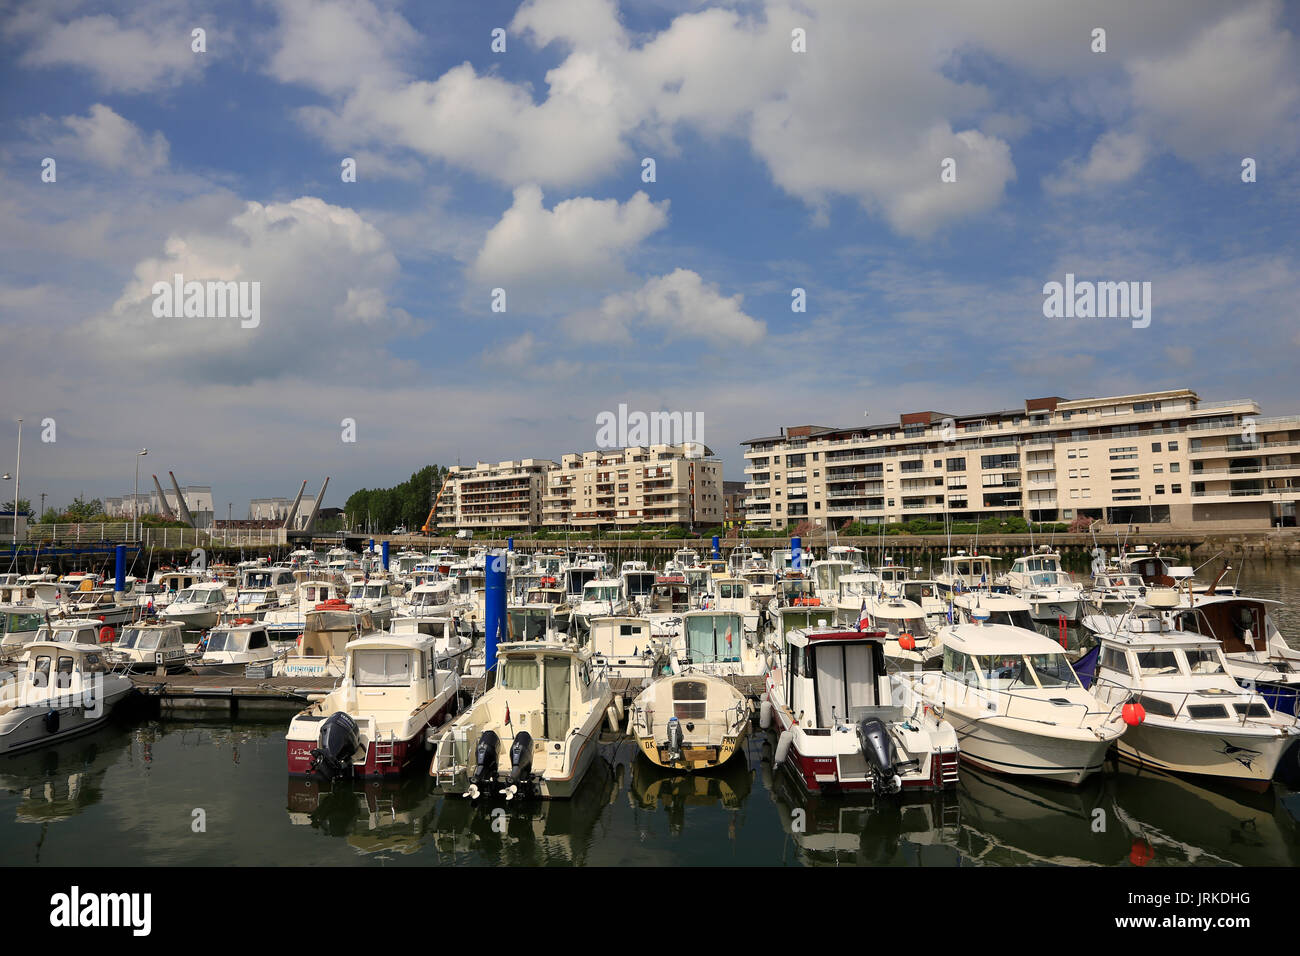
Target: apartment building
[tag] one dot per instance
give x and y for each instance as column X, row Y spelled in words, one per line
column 658, row 484
column 655, row 484
column 507, row 495
column 198, row 498
column 1160, row 457
column 269, row 509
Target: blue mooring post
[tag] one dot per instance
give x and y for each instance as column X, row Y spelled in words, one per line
column 716, row 552
column 494, row 624
column 119, row 568
column 510, row 544
column 383, row 550
column 796, row 557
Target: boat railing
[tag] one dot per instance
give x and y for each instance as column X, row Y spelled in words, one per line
column 1135, row 694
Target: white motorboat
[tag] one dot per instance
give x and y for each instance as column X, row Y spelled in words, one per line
column 19, row 624
column 144, row 647
column 60, row 691
column 533, row 733
column 198, row 607
column 623, row 647
column 691, row 721
column 394, row 691
column 1017, row 705
column 1195, row 718
column 600, row 596
column 833, row 703
column 373, row 595
column 716, row 642
column 965, row 572
column 230, row 648
column 321, row 649
column 1047, row 587
column 447, row 643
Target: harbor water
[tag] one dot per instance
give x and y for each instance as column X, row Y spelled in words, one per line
column 159, row 792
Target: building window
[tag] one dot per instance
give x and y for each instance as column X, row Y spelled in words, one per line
column 1173, row 446
column 956, row 464
column 1160, row 489
column 1174, row 466
column 1155, row 446
column 1176, row 489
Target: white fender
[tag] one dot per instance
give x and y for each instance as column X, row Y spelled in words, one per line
column 612, row 717
column 765, row 714
column 783, row 746
column 618, row 708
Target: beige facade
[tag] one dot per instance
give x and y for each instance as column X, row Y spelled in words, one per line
column 658, row 484
column 505, row 495
column 1160, row 457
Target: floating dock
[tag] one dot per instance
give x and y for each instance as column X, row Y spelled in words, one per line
column 233, row 694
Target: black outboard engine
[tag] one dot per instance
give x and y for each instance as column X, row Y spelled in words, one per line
column 521, row 764
column 485, row 770
column 878, row 749
column 674, row 739
column 338, row 739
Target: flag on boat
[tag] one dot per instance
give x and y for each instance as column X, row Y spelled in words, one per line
column 950, row 613
column 864, row 619
column 507, row 720
column 728, row 635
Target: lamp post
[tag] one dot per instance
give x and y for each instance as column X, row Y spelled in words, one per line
column 18, row 477
column 135, row 496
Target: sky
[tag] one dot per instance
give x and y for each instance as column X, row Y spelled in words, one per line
column 919, row 170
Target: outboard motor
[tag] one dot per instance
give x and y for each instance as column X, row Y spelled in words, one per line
column 337, row 740
column 485, row 770
column 521, row 764
column 878, row 749
column 674, row 738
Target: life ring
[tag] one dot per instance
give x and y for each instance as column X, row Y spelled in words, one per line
column 243, row 620
column 807, row 602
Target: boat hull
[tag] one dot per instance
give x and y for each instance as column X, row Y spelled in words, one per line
column 994, row 746
column 407, row 753
column 696, row 756
column 23, row 728
column 1247, row 760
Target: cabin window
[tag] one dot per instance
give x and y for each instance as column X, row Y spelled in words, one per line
column 630, row 630
column 65, row 672
column 1053, row 670
column 1204, row 661
column 845, row 682
column 520, row 674
column 1157, row 663
column 381, row 668
column 257, row 639
column 958, row 665
column 689, row 697
column 1158, row 707
column 796, row 661
column 1207, row 711
column 1114, row 660
column 1251, row 710
column 41, row 671
column 1004, row 671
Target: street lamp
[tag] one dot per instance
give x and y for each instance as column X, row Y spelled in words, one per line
column 135, row 496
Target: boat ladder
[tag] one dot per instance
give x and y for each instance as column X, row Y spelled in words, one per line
column 384, row 750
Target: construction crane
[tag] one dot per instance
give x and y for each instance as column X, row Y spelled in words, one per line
column 427, row 527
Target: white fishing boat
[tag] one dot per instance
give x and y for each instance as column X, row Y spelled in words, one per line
column 1194, row 718
column 19, row 624
column 60, row 690
column 1000, row 608
column 1048, row 588
column 840, row 730
column 1114, row 591
column 230, row 648
column 600, row 597
column 623, row 647
column 198, row 607
column 374, row 723
column 964, row 572
column 691, row 721
column 1016, row 704
column 533, row 733
column 321, row 649
column 145, row 647
column 716, row 642
column 447, row 643
column 373, row 595
column 315, row 588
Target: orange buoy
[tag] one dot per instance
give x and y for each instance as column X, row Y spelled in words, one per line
column 906, row 641
column 1134, row 713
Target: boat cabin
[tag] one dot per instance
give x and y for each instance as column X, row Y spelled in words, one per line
column 966, row 572
column 150, row 645
column 530, row 622
column 712, row 637
column 835, row 678
column 19, row 624
column 670, row 595
column 70, row 631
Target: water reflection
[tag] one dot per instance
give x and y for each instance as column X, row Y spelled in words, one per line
column 533, row 833
column 374, row 816
column 654, row 788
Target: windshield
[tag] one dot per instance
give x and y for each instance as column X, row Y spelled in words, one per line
column 1157, row 663
column 252, row 597
column 1004, row 671
column 1204, row 661
column 714, row 637
column 225, row 641
column 21, row 622
column 900, row 625
column 381, row 668
column 601, row 593
column 1014, row 618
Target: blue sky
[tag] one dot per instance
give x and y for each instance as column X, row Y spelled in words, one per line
column 522, row 170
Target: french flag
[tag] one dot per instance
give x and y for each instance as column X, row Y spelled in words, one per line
column 864, row 619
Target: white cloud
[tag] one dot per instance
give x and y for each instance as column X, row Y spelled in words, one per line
column 580, row 242
column 332, row 45
column 149, row 52
column 111, row 141
column 674, row 306
column 1115, row 158
column 325, row 274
